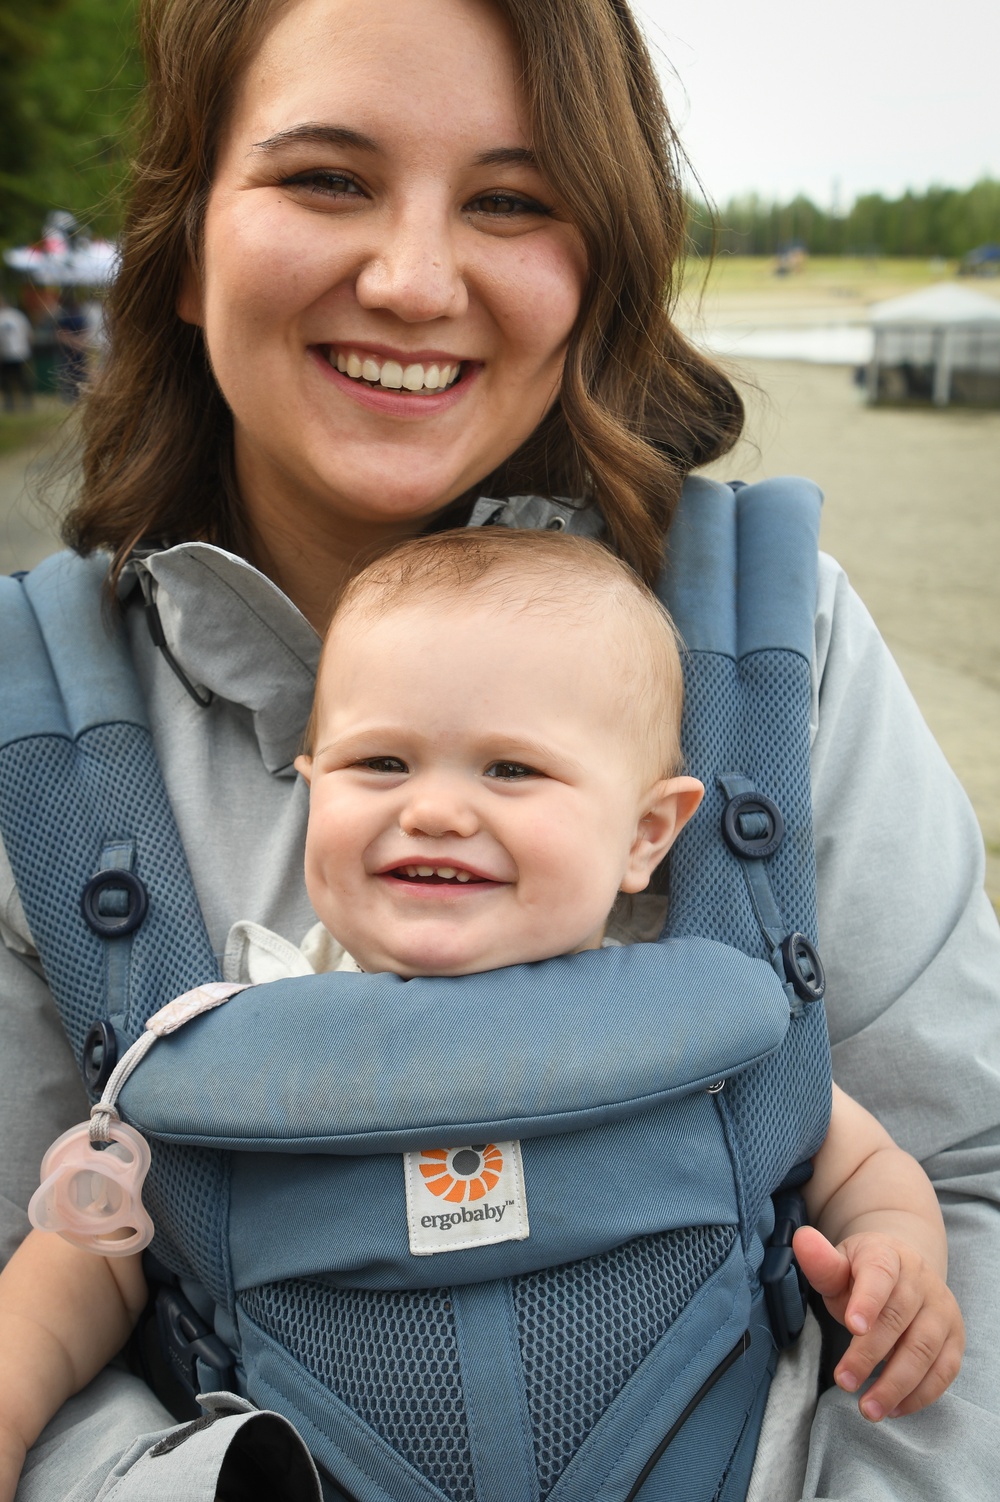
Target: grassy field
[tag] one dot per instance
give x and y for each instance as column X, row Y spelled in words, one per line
column 844, row 286
column 20, row 430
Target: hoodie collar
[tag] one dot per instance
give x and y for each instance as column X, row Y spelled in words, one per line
column 233, row 632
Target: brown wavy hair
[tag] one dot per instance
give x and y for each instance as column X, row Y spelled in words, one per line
column 639, row 406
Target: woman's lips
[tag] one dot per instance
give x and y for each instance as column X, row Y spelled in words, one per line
column 396, row 401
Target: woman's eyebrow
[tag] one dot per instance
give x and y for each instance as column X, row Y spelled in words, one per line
column 314, row 134
column 318, row 135
column 507, row 156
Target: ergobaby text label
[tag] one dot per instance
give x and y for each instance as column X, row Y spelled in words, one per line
column 463, row 1197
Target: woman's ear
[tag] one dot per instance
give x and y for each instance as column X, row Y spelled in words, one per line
column 304, row 766
column 666, row 809
column 190, row 303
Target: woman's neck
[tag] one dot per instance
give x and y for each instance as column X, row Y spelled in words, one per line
column 312, row 568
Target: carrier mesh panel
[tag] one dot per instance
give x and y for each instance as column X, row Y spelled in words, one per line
column 585, row 1328
column 391, row 1357
column 187, row 1188
column 122, row 794
column 771, row 1145
column 117, row 765
column 762, row 732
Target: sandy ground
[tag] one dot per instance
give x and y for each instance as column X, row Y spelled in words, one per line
column 911, row 512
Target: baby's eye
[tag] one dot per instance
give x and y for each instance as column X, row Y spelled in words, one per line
column 387, row 765
column 510, row 771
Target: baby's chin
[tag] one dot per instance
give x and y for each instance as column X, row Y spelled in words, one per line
column 448, row 963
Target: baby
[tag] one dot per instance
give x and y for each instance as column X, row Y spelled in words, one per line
column 493, row 756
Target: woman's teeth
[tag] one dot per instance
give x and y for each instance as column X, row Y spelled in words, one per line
column 444, row 873
column 392, row 375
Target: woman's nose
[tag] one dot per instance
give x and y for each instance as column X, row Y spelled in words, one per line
column 413, row 271
column 438, row 807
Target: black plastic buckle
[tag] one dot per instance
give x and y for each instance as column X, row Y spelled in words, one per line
column 752, row 826
column 803, row 967
column 100, row 1054
column 114, row 902
column 185, row 1339
column 785, row 1289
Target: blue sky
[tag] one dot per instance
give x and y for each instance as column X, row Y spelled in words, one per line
column 846, row 97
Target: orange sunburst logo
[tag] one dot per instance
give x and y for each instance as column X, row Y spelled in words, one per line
column 462, row 1174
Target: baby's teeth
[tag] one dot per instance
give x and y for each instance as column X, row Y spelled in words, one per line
column 447, row 872
column 463, row 876
column 370, row 369
column 413, row 377
column 353, row 366
column 392, row 375
column 425, row 870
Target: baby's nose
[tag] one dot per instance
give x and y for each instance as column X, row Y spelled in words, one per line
column 438, row 807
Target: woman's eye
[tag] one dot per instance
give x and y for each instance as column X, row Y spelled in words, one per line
column 510, row 771
column 386, row 765
column 506, row 205
column 324, row 183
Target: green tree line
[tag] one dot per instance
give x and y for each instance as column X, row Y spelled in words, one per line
column 938, row 222
column 69, row 75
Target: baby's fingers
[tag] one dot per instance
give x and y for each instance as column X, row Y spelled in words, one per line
column 924, row 1364
column 876, row 1295
column 894, row 1321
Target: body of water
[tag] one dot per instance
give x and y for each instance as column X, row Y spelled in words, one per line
column 823, row 344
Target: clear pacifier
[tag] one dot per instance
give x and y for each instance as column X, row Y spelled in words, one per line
column 92, row 1195
column 92, row 1176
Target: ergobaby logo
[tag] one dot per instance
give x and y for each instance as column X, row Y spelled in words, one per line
column 463, row 1197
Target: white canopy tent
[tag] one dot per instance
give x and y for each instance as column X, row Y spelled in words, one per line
column 940, row 345
column 88, row 263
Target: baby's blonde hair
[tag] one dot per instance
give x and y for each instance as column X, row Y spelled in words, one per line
column 544, row 574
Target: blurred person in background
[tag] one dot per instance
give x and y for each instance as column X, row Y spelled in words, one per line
column 72, row 333
column 16, row 379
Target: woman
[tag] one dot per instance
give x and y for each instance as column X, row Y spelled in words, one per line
column 385, row 256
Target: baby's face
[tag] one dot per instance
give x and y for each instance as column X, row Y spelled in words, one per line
column 476, row 796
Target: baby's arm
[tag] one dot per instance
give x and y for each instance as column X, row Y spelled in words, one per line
column 63, row 1314
column 879, row 1258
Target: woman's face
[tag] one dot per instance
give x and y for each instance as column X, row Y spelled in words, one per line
column 388, row 284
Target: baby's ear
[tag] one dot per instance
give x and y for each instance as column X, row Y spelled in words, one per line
column 304, row 766
column 667, row 808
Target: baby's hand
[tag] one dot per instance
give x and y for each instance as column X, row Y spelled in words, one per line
column 899, row 1311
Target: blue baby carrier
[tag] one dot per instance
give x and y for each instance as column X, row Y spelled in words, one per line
column 613, row 1340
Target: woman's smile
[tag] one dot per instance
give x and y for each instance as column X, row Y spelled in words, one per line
column 397, row 386
column 396, row 372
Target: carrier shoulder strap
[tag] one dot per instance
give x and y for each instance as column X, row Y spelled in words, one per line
column 86, row 821
column 740, row 583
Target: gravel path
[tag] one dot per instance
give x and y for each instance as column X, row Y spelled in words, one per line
column 28, row 524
